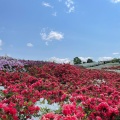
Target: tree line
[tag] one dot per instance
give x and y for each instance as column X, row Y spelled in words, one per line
column 77, row 60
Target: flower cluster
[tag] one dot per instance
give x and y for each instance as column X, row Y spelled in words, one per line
column 11, row 64
column 82, row 94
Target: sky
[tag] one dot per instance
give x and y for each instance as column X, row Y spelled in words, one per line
column 60, row 29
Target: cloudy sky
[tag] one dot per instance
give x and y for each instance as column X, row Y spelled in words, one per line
column 60, row 29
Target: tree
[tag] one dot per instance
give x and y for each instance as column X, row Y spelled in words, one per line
column 77, row 60
column 89, row 60
column 114, row 60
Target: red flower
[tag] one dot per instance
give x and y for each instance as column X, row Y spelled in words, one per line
column 98, row 118
column 68, row 109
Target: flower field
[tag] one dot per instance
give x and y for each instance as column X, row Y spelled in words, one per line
column 81, row 94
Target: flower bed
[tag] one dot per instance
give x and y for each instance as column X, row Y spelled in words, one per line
column 81, row 94
column 113, row 68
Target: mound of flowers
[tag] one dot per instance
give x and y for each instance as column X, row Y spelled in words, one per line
column 10, row 64
column 81, row 94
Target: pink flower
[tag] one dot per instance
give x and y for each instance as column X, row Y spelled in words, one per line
column 63, row 97
column 98, row 118
column 68, row 109
column 70, row 118
column 103, row 106
column 51, row 116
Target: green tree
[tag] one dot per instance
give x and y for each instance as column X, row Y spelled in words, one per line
column 77, row 60
column 89, row 60
column 115, row 60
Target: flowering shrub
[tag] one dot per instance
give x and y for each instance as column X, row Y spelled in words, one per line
column 82, row 94
column 10, row 64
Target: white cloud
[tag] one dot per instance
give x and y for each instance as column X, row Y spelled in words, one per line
column 104, row 58
column 115, row 1
column 70, row 5
column 47, row 5
column 116, row 53
column 54, row 14
column 1, row 43
column 50, row 36
column 29, row 44
column 54, row 35
column 84, row 59
column 59, row 60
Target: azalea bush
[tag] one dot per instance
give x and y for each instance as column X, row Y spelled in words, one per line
column 81, row 94
column 10, row 64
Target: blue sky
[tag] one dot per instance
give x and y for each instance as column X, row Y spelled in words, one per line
column 60, row 29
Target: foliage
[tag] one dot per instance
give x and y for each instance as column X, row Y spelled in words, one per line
column 89, row 60
column 77, row 60
column 115, row 60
